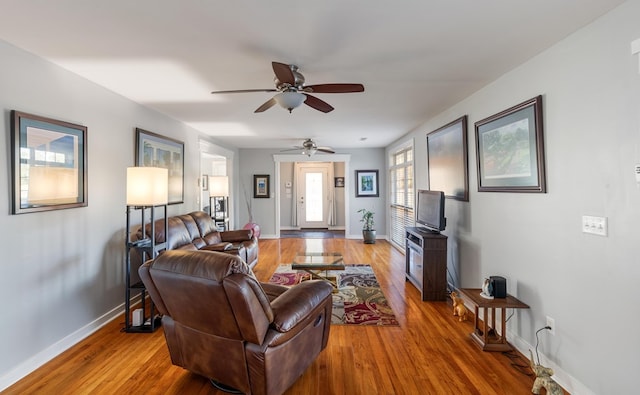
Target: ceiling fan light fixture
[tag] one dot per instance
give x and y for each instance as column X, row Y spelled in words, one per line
column 309, row 151
column 290, row 99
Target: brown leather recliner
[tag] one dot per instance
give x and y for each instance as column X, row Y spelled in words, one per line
column 198, row 231
column 221, row 323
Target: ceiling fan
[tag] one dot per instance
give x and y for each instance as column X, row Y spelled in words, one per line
column 292, row 91
column 309, row 147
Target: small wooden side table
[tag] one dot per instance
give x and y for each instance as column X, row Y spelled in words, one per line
column 485, row 335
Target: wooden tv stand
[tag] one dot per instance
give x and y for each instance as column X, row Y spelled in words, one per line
column 426, row 262
column 485, row 335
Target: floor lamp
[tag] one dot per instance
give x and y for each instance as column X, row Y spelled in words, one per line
column 219, row 199
column 147, row 188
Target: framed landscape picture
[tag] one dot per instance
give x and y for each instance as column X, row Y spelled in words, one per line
column 510, row 150
column 49, row 164
column 447, row 160
column 367, row 183
column 154, row 150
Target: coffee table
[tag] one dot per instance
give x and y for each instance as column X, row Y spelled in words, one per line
column 315, row 263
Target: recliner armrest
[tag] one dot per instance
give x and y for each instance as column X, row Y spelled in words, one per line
column 224, row 246
column 237, row 235
column 295, row 305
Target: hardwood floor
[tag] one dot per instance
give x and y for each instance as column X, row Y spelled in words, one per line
column 429, row 353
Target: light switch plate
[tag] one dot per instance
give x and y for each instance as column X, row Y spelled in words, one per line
column 594, row 225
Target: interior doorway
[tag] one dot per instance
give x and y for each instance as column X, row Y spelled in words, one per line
column 214, row 161
column 286, row 186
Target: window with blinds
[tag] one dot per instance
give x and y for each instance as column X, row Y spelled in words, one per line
column 401, row 189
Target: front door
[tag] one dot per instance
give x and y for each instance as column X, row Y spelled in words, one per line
column 313, row 195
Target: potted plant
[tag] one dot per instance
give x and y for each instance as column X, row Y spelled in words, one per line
column 368, row 232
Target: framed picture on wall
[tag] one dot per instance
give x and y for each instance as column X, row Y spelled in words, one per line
column 261, row 186
column 510, row 150
column 447, row 160
column 48, row 163
column 158, row 151
column 205, row 182
column 367, row 183
column 338, row 182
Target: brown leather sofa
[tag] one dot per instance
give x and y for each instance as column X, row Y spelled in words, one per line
column 197, row 231
column 221, row 323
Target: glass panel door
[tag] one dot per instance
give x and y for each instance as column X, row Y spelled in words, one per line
column 313, row 196
column 314, row 193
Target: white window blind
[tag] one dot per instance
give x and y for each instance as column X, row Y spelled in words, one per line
column 401, row 189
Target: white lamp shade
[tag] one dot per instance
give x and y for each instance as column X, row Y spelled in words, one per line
column 218, row 186
column 290, row 100
column 147, row 186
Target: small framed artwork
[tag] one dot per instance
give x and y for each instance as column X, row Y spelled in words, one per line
column 158, row 151
column 338, row 182
column 510, row 150
column 205, row 182
column 48, row 164
column 367, row 183
column 447, row 160
column 261, row 186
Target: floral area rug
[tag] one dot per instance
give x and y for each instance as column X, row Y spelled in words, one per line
column 359, row 300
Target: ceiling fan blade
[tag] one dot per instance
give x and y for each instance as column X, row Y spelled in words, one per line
column 283, row 73
column 334, row 88
column 326, row 149
column 245, row 90
column 267, row 105
column 318, row 104
column 292, row 149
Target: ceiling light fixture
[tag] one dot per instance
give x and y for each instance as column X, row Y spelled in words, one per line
column 290, row 99
column 309, row 151
column 309, row 148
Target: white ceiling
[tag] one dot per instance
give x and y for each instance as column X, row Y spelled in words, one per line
column 415, row 57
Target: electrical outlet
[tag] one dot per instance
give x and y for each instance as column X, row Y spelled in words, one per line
column 551, row 323
column 594, row 225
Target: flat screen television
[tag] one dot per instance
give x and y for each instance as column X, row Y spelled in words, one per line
column 430, row 210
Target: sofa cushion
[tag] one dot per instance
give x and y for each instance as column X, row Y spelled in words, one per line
column 194, row 231
column 206, row 227
column 178, row 232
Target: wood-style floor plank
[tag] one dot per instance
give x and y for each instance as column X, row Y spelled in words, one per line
column 430, row 352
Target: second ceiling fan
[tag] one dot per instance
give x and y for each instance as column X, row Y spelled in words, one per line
column 292, row 91
column 309, row 147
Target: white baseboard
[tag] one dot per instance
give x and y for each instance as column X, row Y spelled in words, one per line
column 298, row 228
column 359, row 236
column 568, row 382
column 57, row 348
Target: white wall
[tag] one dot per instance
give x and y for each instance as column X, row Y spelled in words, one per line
column 588, row 284
column 62, row 271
